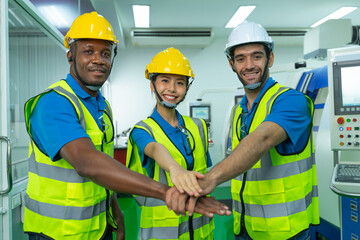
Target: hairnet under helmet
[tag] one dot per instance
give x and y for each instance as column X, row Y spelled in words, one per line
column 245, row 33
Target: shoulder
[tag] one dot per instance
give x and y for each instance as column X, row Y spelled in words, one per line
column 293, row 97
column 53, row 102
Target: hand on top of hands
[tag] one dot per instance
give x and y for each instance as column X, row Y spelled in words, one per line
column 186, row 181
column 181, row 203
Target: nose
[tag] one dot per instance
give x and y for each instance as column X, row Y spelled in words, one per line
column 97, row 58
column 172, row 86
column 249, row 64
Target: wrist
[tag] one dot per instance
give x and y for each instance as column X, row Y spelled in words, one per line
column 212, row 178
column 162, row 191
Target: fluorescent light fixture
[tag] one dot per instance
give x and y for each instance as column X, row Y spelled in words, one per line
column 141, row 16
column 335, row 15
column 241, row 14
column 54, row 16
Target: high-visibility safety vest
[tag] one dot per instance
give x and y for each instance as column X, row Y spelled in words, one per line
column 278, row 197
column 157, row 222
column 59, row 203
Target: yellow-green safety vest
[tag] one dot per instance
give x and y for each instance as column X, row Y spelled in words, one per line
column 278, row 196
column 157, row 222
column 59, row 203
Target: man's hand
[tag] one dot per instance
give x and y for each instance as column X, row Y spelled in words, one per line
column 208, row 206
column 207, row 184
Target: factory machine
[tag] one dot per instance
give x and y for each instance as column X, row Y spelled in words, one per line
column 344, row 95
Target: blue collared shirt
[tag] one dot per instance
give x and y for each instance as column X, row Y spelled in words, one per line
column 290, row 111
column 54, row 121
column 141, row 138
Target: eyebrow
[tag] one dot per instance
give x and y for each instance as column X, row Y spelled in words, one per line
column 252, row 53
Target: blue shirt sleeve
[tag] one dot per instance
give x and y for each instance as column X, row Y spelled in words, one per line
column 54, row 123
column 291, row 112
column 142, row 138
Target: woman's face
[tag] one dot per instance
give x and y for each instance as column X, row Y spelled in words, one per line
column 171, row 87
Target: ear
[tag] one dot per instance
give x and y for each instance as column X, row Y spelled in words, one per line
column 271, row 60
column 152, row 86
column 231, row 64
column 69, row 57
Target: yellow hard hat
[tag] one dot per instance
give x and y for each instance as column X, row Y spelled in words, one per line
column 170, row 61
column 90, row 25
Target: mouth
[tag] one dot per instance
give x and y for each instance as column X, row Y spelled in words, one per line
column 97, row 71
column 170, row 98
column 251, row 75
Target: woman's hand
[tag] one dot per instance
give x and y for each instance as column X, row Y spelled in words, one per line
column 185, row 181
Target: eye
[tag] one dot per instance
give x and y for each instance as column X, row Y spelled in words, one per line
column 258, row 56
column 239, row 59
column 107, row 54
column 181, row 83
column 88, row 51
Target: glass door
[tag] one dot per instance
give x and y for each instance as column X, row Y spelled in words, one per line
column 32, row 58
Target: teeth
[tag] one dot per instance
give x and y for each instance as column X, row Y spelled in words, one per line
column 250, row 74
column 169, row 97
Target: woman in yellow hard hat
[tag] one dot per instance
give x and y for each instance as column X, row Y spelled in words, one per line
column 170, row 148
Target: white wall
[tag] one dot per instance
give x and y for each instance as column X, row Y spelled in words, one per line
column 132, row 100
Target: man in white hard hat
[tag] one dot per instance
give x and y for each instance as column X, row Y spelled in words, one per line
column 272, row 166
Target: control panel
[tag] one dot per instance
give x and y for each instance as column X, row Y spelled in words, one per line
column 344, row 98
column 346, row 132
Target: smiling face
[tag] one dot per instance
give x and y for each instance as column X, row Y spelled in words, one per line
column 249, row 63
column 171, row 87
column 92, row 61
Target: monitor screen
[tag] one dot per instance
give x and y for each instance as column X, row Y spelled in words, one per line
column 350, row 85
column 201, row 111
column 346, row 87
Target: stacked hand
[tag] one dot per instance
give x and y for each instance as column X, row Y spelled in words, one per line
column 182, row 202
column 186, row 181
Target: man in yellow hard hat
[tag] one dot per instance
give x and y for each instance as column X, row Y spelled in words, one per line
column 72, row 174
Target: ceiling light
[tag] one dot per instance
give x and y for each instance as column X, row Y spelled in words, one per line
column 141, row 16
column 335, row 15
column 241, row 14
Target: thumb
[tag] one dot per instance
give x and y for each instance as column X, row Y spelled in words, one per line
column 199, row 175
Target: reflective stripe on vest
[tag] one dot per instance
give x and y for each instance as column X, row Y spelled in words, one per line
column 157, row 222
column 280, row 190
column 71, row 206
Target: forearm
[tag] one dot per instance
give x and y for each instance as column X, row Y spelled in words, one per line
column 247, row 152
column 241, row 159
column 107, row 172
column 161, row 156
column 117, row 213
column 117, row 177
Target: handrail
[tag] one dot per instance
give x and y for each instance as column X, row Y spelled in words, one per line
column 8, row 165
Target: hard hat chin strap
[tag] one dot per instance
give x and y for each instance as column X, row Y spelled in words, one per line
column 162, row 102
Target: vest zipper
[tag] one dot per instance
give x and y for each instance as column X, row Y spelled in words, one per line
column 191, row 228
column 242, row 203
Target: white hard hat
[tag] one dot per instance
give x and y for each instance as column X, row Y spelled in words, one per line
column 248, row 32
